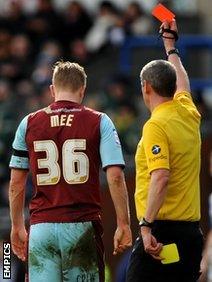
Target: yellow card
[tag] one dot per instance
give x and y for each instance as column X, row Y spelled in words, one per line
column 169, row 254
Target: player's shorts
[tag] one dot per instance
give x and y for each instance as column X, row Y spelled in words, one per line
column 66, row 252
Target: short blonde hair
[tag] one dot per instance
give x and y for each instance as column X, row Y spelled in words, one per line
column 68, row 76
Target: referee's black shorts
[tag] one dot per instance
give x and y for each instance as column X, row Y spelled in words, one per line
column 189, row 240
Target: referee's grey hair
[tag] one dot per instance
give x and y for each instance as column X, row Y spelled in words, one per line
column 161, row 75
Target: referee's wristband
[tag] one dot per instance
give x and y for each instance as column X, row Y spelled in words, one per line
column 173, row 51
column 145, row 223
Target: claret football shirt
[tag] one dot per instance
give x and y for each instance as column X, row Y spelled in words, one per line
column 64, row 146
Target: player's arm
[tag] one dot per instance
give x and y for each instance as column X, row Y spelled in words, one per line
column 17, row 196
column 119, row 195
column 169, row 44
column 206, row 257
column 113, row 162
column 19, row 165
column 16, row 201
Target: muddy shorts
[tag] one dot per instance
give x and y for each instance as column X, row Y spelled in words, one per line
column 66, row 252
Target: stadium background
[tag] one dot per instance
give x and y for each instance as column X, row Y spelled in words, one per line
column 112, row 40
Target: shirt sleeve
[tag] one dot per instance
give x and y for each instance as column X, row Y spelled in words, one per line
column 20, row 158
column 186, row 100
column 155, row 147
column 110, row 146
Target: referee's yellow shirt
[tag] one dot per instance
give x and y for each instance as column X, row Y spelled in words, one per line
column 171, row 140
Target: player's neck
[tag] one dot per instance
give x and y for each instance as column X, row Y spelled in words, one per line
column 67, row 96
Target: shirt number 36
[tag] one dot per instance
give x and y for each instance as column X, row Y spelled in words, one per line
column 75, row 163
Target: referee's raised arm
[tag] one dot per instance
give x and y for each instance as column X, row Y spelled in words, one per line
column 173, row 57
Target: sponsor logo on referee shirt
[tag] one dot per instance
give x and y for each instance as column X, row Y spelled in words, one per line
column 6, row 260
column 156, row 149
column 160, row 157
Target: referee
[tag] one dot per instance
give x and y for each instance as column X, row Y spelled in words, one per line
column 167, row 193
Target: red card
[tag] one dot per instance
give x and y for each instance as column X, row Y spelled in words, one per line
column 162, row 13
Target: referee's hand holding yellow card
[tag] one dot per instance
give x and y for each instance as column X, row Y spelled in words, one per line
column 169, row 254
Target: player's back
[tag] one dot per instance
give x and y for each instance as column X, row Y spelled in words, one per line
column 63, row 143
